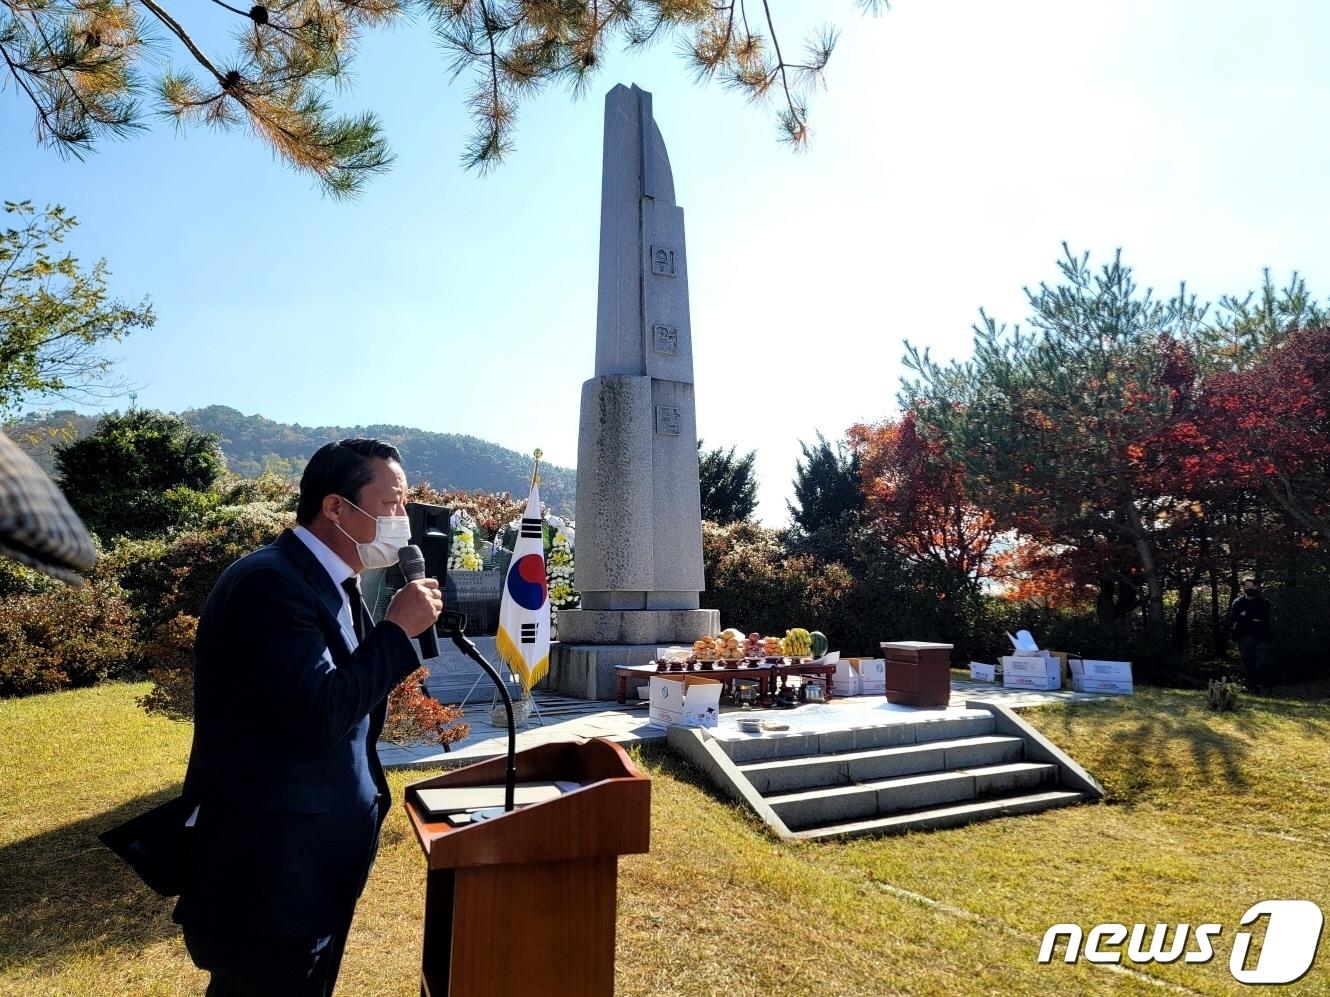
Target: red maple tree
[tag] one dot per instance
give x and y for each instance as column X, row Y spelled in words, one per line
column 916, row 498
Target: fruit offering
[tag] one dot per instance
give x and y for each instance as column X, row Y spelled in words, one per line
column 771, row 647
column 729, row 647
column 753, row 646
column 820, row 643
column 798, row 642
column 706, row 648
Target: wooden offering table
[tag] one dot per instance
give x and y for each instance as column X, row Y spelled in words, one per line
column 828, row 673
column 525, row 903
column 918, row 673
column 762, row 673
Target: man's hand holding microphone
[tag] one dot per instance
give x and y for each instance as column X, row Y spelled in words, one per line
column 417, row 606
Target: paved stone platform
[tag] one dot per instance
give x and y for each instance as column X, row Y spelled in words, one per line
column 566, row 718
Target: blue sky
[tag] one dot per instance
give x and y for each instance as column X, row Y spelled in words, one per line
column 957, row 145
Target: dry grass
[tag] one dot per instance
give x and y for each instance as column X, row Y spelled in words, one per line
column 1210, row 813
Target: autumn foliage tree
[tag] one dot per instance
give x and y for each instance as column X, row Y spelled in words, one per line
column 1266, row 428
column 916, row 499
column 1051, row 426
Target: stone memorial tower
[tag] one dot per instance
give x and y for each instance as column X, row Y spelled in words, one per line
column 639, row 512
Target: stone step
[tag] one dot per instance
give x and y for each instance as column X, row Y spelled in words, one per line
column 937, row 818
column 943, row 728
column 837, row 804
column 785, row 775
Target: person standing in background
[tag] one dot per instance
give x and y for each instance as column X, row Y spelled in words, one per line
column 1249, row 621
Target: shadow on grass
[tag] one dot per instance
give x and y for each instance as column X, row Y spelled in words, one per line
column 1160, row 740
column 63, row 890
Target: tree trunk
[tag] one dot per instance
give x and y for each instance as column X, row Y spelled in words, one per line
column 1154, row 606
column 1105, row 605
column 1181, row 620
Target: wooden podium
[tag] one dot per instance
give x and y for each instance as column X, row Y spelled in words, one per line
column 525, row 903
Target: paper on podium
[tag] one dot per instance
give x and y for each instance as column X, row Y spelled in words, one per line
column 437, row 802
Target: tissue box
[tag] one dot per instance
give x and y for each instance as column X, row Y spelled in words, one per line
column 682, row 700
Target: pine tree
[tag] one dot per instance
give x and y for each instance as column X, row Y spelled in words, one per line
column 826, row 486
column 729, row 484
column 81, row 64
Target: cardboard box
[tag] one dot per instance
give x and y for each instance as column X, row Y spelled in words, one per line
column 1031, row 671
column 873, row 676
column 1102, row 676
column 1043, row 684
column 846, row 680
column 1031, row 664
column 683, row 700
column 980, row 672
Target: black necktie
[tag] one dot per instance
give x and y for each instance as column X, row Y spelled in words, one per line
column 359, row 618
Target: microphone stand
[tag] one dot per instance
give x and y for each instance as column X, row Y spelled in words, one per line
column 454, row 624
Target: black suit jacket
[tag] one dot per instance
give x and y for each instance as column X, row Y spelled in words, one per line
column 284, row 768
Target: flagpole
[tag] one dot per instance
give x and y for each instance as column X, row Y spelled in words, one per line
column 535, row 468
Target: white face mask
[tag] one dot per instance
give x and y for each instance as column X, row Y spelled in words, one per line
column 391, row 534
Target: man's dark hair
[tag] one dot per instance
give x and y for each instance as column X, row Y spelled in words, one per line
column 344, row 469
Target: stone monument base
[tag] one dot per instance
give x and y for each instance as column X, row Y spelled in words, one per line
column 656, row 627
column 582, row 664
column 587, row 670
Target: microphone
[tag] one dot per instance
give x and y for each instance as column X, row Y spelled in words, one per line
column 412, row 563
column 454, row 626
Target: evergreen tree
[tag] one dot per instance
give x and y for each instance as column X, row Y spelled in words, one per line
column 827, row 490
column 1057, row 429
column 81, row 64
column 139, row 473
column 729, row 484
column 54, row 316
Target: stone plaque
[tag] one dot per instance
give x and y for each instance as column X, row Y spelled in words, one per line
column 668, row 420
column 665, row 339
column 662, row 261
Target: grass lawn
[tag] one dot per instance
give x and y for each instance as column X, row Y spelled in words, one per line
column 1207, row 815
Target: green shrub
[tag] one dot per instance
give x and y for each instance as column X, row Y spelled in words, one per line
column 64, row 637
column 19, row 579
column 270, row 486
column 140, row 473
column 166, row 577
column 1221, row 695
column 169, row 659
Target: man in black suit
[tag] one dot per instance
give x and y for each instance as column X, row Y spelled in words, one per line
column 1249, row 621
column 285, row 794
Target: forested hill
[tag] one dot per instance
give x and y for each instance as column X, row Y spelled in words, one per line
column 445, row 460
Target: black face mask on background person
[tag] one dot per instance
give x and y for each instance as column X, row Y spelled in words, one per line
column 1251, row 593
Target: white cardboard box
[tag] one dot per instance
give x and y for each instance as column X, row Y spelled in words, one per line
column 872, row 676
column 980, row 672
column 1030, row 682
column 1102, row 676
column 682, row 700
column 1031, row 664
column 846, row 680
column 1031, row 671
